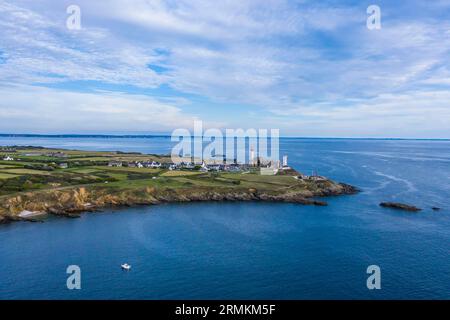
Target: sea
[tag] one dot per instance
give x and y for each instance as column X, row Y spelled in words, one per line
column 251, row 250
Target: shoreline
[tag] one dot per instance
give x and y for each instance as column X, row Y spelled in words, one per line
column 37, row 180
column 72, row 203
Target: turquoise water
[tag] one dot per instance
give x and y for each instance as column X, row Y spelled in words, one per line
column 252, row 250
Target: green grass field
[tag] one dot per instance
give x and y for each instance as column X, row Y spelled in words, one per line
column 25, row 175
column 6, row 175
column 179, row 173
column 4, row 166
column 23, row 171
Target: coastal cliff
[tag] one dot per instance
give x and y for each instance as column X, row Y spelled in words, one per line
column 73, row 201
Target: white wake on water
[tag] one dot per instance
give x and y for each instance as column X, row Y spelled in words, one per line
column 410, row 186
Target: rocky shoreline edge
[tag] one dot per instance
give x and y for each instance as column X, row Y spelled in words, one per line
column 72, row 203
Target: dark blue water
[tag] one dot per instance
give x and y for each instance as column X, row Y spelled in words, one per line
column 252, row 250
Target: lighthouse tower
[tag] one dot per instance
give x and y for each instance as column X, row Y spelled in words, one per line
column 285, row 161
column 252, row 156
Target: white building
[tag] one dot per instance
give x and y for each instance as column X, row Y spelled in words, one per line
column 155, row 165
column 8, row 158
column 285, row 163
column 252, row 156
column 115, row 164
column 190, row 165
column 270, row 171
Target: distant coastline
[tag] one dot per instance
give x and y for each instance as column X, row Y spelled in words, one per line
column 168, row 135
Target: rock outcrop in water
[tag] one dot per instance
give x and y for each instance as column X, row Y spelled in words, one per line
column 400, row 206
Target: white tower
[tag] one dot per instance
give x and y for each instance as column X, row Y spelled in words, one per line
column 285, row 161
column 252, row 156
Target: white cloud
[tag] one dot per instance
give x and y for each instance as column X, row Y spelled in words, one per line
column 39, row 50
column 277, row 56
column 40, row 110
column 386, row 115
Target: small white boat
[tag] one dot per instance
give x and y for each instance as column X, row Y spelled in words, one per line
column 125, row 266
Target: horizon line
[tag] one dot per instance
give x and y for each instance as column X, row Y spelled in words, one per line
column 165, row 135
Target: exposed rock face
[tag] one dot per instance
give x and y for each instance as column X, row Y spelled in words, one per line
column 400, row 206
column 3, row 219
column 71, row 202
column 348, row 189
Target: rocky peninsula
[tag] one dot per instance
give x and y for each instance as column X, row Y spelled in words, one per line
column 35, row 181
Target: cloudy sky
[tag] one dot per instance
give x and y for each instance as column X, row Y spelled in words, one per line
column 309, row 68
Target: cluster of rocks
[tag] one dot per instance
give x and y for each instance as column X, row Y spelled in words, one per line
column 403, row 206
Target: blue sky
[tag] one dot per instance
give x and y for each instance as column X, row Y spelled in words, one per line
column 309, row 68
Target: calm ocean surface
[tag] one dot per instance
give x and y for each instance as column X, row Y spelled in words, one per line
column 251, row 250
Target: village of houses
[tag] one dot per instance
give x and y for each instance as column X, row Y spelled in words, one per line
column 255, row 164
column 265, row 167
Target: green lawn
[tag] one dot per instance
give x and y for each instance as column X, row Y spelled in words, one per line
column 82, row 170
column 21, row 171
column 4, row 166
column 127, row 169
column 6, row 175
column 88, row 173
column 89, row 159
column 179, row 173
